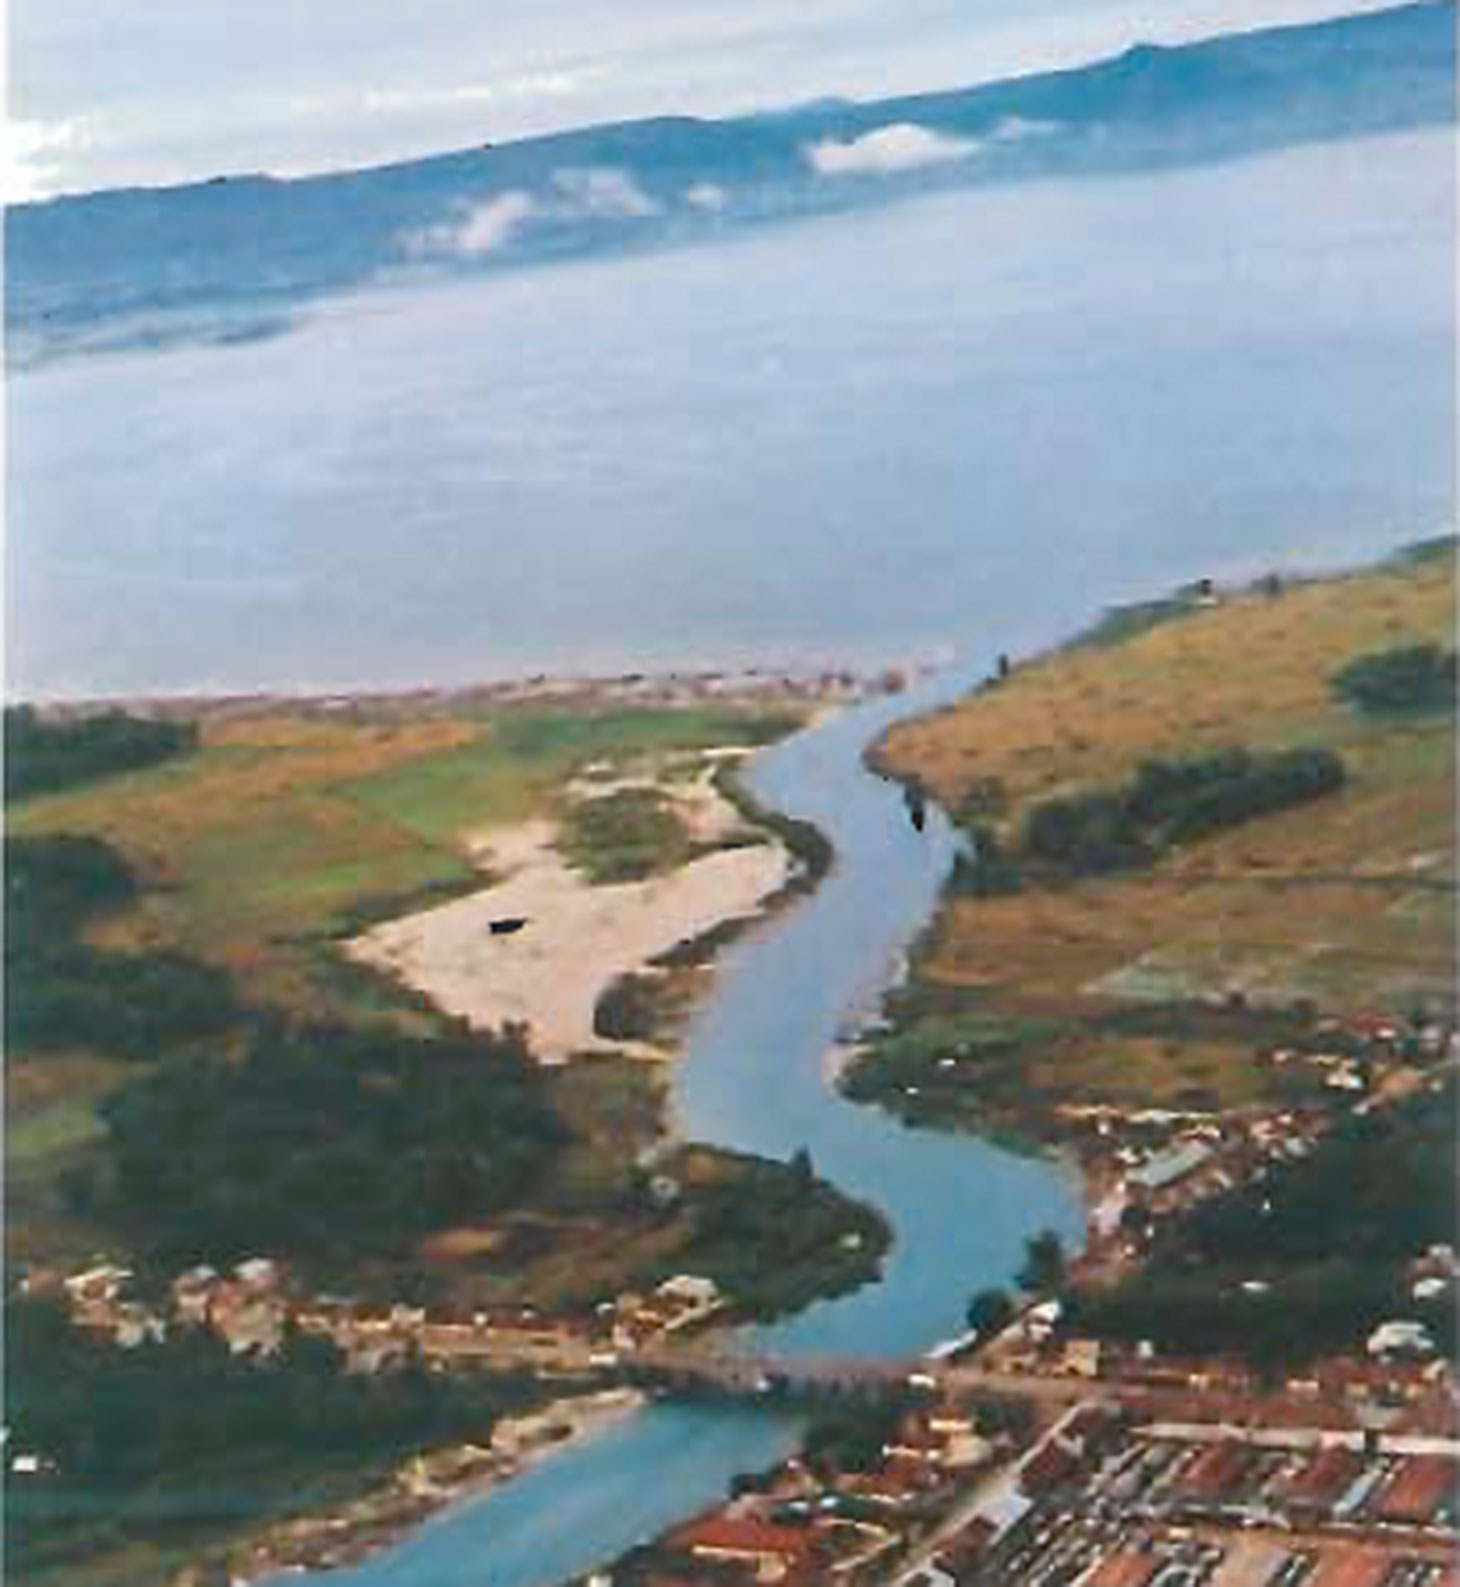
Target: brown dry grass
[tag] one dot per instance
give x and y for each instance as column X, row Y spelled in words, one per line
column 1344, row 901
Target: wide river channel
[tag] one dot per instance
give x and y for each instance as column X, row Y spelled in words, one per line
column 755, row 1077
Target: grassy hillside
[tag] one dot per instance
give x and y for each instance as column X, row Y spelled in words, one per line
column 1347, row 901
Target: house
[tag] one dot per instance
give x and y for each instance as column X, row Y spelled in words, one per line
column 1050, row 1467
column 771, row 1551
column 1312, row 1491
column 1214, row 1475
column 1082, row 1358
column 1169, row 1167
column 103, row 1283
column 1128, row 1567
column 133, row 1326
column 931, row 1576
column 1401, row 1337
column 259, row 1273
column 1417, row 1491
column 192, row 1294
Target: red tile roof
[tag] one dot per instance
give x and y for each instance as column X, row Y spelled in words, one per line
column 1125, row 1569
column 1047, row 1469
column 1216, row 1471
column 746, row 1536
column 1417, row 1489
column 1324, row 1479
column 1352, row 1566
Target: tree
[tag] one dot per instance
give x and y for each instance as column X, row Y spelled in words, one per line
column 1044, row 1263
column 990, row 1312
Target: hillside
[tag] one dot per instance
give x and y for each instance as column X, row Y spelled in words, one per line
column 234, row 258
column 1155, row 982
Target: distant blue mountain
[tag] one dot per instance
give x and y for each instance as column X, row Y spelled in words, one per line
column 235, row 257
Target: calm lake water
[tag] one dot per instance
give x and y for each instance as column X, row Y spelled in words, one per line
column 877, row 435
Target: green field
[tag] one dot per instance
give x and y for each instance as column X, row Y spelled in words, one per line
column 284, row 832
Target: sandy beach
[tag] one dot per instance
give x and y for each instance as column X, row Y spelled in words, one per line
column 567, row 940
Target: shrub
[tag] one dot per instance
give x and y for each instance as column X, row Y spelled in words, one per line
column 1407, row 679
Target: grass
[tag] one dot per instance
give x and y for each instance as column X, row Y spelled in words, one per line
column 286, row 831
column 51, row 1130
column 1348, row 902
column 626, row 836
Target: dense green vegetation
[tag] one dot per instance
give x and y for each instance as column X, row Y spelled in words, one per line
column 1321, row 1245
column 53, row 885
column 164, row 1440
column 625, row 836
column 989, row 1312
column 807, row 843
column 852, row 1437
column 1170, row 802
column 135, row 1005
column 986, row 869
column 775, row 1237
column 63, row 994
column 42, row 756
column 1403, row 681
column 947, row 1068
column 634, row 1008
column 1043, row 1271
column 326, row 1144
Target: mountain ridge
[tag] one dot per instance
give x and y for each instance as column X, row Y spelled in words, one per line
column 128, row 266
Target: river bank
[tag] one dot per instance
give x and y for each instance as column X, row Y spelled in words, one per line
column 1044, row 990
column 426, row 1486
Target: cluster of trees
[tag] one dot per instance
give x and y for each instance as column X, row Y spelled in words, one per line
column 54, row 885
column 1306, row 1259
column 987, row 869
column 328, row 1144
column 1175, row 801
column 631, row 1008
column 183, row 1429
column 43, row 756
column 1044, row 1273
column 776, row 1237
column 852, row 1436
column 63, row 993
column 1401, row 681
column 1312, row 1312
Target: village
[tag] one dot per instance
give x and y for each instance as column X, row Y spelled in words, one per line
column 1032, row 1455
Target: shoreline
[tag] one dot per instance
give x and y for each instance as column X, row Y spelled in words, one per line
column 427, row 1487
column 824, row 685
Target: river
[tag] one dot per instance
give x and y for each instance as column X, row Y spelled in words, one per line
column 755, row 1077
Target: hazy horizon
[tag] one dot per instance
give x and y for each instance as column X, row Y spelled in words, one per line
column 845, row 439
column 173, row 91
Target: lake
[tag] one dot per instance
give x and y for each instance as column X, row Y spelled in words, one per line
column 860, row 438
